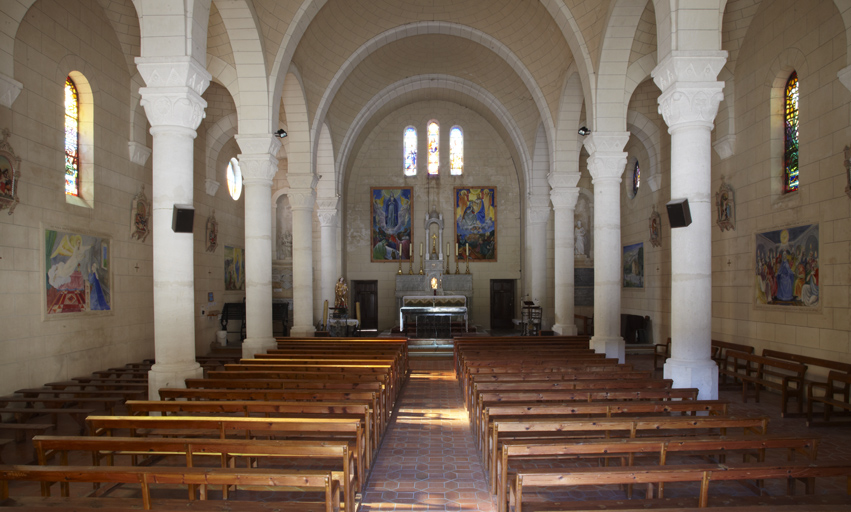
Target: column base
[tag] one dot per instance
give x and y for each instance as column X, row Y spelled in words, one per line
column 702, row 375
column 171, row 376
column 252, row 346
column 614, row 348
column 564, row 330
column 302, row 331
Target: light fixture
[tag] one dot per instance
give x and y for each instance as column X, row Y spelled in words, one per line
column 584, row 131
column 280, row 133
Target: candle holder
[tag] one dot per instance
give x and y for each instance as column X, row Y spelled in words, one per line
column 421, row 267
column 400, row 265
column 447, row 263
column 410, row 265
column 467, row 260
column 456, row 264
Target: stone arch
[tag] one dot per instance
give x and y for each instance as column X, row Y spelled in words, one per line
column 11, row 15
column 217, row 136
column 476, row 92
column 139, row 150
column 636, row 73
column 844, row 8
column 295, row 105
column 225, row 75
column 568, row 145
column 648, row 133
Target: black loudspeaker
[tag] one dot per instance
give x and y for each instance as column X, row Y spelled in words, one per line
column 182, row 218
column 678, row 213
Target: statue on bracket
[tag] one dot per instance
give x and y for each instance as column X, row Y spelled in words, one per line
column 212, row 232
column 725, row 203
column 847, row 170
column 140, row 221
column 655, row 228
column 579, row 239
column 10, row 172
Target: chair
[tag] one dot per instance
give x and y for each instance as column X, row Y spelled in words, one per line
column 661, row 351
column 535, row 314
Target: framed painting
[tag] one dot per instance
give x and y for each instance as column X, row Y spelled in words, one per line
column 633, row 265
column 77, row 276
column 390, row 234
column 234, row 268
column 786, row 268
column 475, row 223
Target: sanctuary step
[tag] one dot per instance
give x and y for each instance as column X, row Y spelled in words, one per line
column 430, row 347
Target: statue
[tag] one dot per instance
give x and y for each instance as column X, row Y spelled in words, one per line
column 579, row 239
column 341, row 292
column 285, row 245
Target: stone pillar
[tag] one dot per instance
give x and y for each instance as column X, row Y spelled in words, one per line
column 328, row 238
column 606, row 162
column 689, row 103
column 173, row 104
column 536, row 245
column 564, row 194
column 302, row 197
column 258, row 164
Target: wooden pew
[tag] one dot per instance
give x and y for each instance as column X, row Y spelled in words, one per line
column 567, row 427
column 825, row 365
column 764, row 372
column 148, row 476
column 207, row 426
column 107, row 403
column 650, row 475
column 24, row 414
column 659, row 448
column 838, row 385
column 661, row 352
column 340, row 454
column 82, row 393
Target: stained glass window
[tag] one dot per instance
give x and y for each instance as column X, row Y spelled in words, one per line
column 456, row 151
column 636, row 178
column 410, row 151
column 72, row 139
column 433, row 150
column 234, row 179
column 791, row 134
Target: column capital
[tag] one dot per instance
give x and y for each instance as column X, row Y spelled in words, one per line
column 538, row 214
column 302, row 199
column 139, row 153
column 690, row 93
column 173, row 93
column 564, row 198
column 688, row 66
column 606, row 160
column 328, row 203
column 174, row 72
column 211, row 186
column 302, row 180
column 563, row 179
column 257, row 161
column 327, row 217
column 9, row 90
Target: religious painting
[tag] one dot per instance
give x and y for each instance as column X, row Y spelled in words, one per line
column 10, row 173
column 633, row 265
column 787, row 268
column 77, row 277
column 140, row 216
column 234, row 268
column 655, row 228
column 475, row 223
column 725, row 205
column 211, row 232
column 392, row 210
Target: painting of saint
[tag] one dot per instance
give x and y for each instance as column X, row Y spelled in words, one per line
column 76, row 273
column 391, row 223
column 633, row 265
column 786, row 267
column 234, row 268
column 475, row 222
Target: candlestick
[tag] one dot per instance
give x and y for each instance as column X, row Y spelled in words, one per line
column 421, row 266
column 410, row 262
column 325, row 316
column 456, row 260
column 468, row 259
column 399, row 257
column 446, row 255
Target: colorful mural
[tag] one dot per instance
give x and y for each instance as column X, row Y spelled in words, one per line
column 392, row 209
column 633, row 265
column 475, row 222
column 77, row 276
column 234, row 268
column 786, row 267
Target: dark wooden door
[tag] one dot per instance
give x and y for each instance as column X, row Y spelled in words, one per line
column 502, row 303
column 366, row 292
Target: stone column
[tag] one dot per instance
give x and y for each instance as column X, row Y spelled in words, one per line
column 328, row 238
column 536, row 244
column 564, row 194
column 173, row 104
column 302, row 197
column 258, row 164
column 606, row 162
column 688, row 103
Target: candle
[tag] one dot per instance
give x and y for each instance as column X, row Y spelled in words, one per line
column 325, row 314
column 456, row 249
column 421, row 249
column 447, row 248
column 468, row 252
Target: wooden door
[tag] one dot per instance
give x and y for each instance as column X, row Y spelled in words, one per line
column 366, row 292
column 502, row 303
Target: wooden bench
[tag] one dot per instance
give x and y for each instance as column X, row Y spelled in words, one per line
column 659, row 448
column 650, row 475
column 826, row 366
column 838, row 385
column 25, row 430
column 786, row 376
column 24, row 414
column 661, row 352
column 107, row 403
column 340, row 454
column 720, row 349
column 82, row 393
column 631, row 427
column 149, row 476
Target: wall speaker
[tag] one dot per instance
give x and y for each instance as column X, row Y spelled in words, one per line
column 678, row 213
column 182, row 218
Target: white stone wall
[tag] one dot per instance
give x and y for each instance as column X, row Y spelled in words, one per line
column 487, row 162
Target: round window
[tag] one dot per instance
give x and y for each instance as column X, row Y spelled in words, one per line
column 234, row 179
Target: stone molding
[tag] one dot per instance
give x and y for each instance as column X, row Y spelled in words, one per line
column 563, row 179
column 302, row 180
column 211, row 186
column 173, row 93
column 844, row 76
column 301, row 199
column 606, row 160
column 9, row 90
column 688, row 66
column 258, row 145
column 725, row 147
column 606, row 142
column 564, row 198
column 327, row 217
column 139, row 153
column 173, row 72
column 538, row 214
column 654, row 181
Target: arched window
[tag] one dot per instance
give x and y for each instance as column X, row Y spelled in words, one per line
column 72, row 139
column 234, row 176
column 433, row 148
column 409, row 144
column 790, row 175
column 636, row 178
column 456, row 151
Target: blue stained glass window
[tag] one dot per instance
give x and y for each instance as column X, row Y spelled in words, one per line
column 636, row 178
column 790, row 177
column 410, row 151
column 72, row 139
